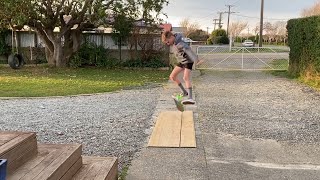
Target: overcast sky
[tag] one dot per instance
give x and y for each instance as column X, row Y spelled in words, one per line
column 204, row 11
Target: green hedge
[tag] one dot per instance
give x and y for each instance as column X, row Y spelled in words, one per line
column 304, row 43
column 4, row 48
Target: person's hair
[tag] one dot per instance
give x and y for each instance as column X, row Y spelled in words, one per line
column 166, row 35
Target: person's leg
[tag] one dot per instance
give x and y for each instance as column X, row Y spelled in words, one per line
column 186, row 78
column 173, row 77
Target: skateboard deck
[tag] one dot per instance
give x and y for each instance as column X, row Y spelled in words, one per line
column 177, row 100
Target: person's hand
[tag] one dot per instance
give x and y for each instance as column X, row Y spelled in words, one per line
column 199, row 62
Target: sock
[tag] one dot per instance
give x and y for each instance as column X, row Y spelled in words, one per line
column 182, row 88
column 189, row 93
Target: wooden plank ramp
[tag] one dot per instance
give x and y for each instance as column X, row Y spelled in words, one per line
column 188, row 134
column 173, row 129
column 17, row 148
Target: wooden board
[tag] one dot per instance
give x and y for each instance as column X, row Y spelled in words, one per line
column 166, row 132
column 188, row 134
column 12, row 141
column 173, row 129
column 17, row 148
column 98, row 168
column 52, row 162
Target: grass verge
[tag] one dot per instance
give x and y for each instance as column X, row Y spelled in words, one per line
column 312, row 81
column 44, row 81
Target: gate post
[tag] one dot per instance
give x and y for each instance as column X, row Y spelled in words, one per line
column 242, row 57
column 230, row 43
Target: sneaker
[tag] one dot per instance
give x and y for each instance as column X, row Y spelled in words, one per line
column 188, row 101
column 184, row 95
column 181, row 95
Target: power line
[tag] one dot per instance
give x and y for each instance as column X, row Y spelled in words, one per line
column 201, row 18
column 252, row 17
column 235, row 2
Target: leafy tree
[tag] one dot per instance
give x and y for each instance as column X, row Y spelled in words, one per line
column 219, row 36
column 135, row 19
column 218, row 32
column 71, row 17
column 122, row 29
column 199, row 35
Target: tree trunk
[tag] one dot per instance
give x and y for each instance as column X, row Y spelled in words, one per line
column 72, row 44
column 49, row 57
column 58, row 55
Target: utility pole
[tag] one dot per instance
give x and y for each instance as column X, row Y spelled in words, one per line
column 229, row 12
column 215, row 23
column 261, row 23
column 220, row 19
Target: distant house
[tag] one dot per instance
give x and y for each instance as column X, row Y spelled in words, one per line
column 179, row 29
column 28, row 40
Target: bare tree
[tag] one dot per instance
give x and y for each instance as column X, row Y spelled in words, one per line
column 281, row 31
column 188, row 27
column 270, row 30
column 256, row 29
column 236, row 28
column 311, row 11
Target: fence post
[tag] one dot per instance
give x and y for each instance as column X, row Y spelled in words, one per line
column 242, row 57
column 230, row 43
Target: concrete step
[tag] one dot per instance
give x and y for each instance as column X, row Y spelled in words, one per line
column 17, row 148
column 51, row 163
column 98, row 168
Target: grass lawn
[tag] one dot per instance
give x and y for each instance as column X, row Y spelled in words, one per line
column 44, row 81
column 312, row 81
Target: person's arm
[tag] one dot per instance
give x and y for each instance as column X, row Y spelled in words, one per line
column 199, row 61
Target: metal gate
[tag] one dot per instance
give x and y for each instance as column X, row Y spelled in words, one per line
column 243, row 58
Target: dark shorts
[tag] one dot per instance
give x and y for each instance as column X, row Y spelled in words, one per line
column 188, row 65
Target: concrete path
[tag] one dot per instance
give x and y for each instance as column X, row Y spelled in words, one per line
column 243, row 152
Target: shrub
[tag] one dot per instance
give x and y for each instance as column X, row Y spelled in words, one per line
column 220, row 40
column 4, row 48
column 154, row 62
column 209, row 41
column 93, row 55
column 304, row 43
column 219, row 36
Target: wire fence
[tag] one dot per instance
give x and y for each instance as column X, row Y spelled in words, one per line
column 243, row 58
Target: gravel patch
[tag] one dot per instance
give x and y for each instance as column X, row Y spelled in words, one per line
column 258, row 105
column 111, row 124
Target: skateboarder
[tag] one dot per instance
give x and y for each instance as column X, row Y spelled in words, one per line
column 186, row 58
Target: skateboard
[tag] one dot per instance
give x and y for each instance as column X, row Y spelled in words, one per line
column 178, row 101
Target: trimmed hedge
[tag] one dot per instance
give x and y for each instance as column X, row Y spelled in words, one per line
column 304, row 43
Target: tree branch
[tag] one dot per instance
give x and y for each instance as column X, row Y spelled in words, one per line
column 44, row 37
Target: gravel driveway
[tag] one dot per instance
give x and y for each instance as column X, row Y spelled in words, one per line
column 111, row 124
column 258, row 105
